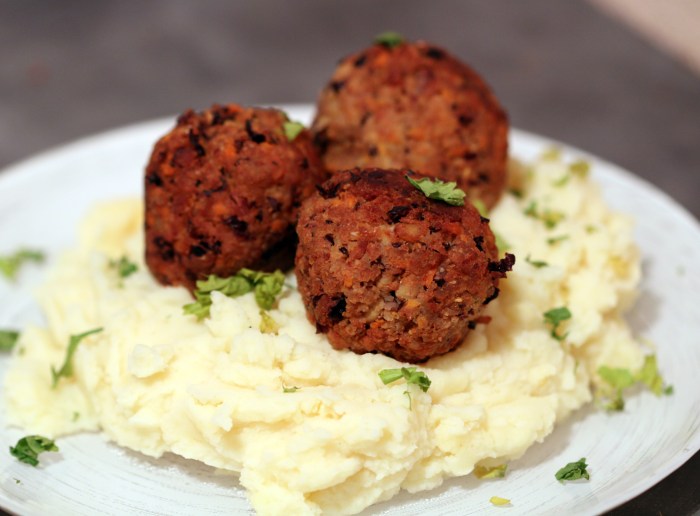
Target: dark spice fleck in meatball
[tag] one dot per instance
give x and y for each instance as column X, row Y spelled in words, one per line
column 223, row 191
column 414, row 106
column 382, row 268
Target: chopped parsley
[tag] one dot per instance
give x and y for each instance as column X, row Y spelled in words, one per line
column 555, row 317
column 649, row 376
column 498, row 501
column 561, row 181
column 557, row 239
column 573, row 471
column 538, row 264
column 516, row 192
column 549, row 217
column 288, row 390
column 440, row 190
column 580, row 168
column 411, row 375
column 292, row 129
column 267, row 323
column 10, row 264
column 66, row 369
column 8, row 339
column 493, row 472
column 265, row 285
column 124, row 267
column 389, row 39
column 28, row 448
column 619, row 379
column 551, row 154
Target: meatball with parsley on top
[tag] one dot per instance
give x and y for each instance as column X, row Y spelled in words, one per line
column 223, row 190
column 400, row 104
column 393, row 263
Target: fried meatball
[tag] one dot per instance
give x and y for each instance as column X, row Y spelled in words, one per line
column 223, row 190
column 414, row 106
column 382, row 268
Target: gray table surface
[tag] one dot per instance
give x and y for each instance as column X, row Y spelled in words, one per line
column 561, row 68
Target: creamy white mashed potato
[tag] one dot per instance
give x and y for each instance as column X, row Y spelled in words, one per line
column 156, row 380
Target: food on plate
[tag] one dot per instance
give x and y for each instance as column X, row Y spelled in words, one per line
column 223, row 190
column 312, row 429
column 383, row 268
column 573, row 471
column 28, row 448
column 401, row 104
column 11, row 264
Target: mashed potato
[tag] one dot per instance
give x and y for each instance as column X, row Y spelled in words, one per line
column 311, row 429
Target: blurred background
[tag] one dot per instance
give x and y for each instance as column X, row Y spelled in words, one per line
column 618, row 78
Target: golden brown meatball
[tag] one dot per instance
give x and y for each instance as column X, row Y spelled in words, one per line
column 414, row 106
column 382, row 268
column 223, row 191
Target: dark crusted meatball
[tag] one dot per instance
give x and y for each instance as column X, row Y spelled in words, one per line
column 414, row 106
column 223, row 191
column 382, row 268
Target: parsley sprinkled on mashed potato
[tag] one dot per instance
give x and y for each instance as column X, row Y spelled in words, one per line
column 343, row 440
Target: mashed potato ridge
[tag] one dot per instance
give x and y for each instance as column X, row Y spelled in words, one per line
column 222, row 392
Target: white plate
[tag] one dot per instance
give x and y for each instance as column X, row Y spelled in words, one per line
column 41, row 202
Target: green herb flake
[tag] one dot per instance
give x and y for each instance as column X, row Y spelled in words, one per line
column 410, row 374
column 292, row 130
column 538, row 264
column 498, row 501
column 551, row 154
column 516, row 192
column 265, row 285
column 8, row 339
column 649, row 376
column 573, row 471
column 619, row 379
column 580, row 168
column 76, row 416
column 439, row 190
column 493, row 472
column 562, row 181
column 555, row 317
column 268, row 324
column 550, row 218
column 590, row 229
column 10, row 264
column 66, row 369
column 531, row 209
column 124, row 267
column 389, row 39
column 557, row 239
column 288, row 390
column 28, row 448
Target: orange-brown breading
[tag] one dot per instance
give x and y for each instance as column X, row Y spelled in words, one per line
column 414, row 106
column 223, row 191
column 382, row 268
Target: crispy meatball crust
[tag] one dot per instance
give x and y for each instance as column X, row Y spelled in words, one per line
column 382, row 268
column 414, row 106
column 223, row 190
